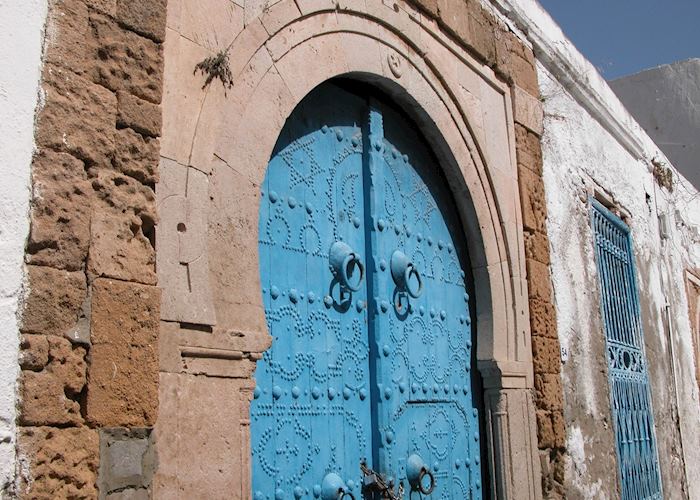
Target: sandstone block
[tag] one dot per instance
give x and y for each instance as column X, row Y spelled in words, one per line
column 537, row 247
column 123, row 382
column 67, row 33
column 60, row 463
column 123, row 221
column 545, row 432
column 516, row 61
column 545, row 355
column 548, row 392
column 67, row 363
column 527, row 110
column 142, row 116
column 559, row 427
column 145, row 17
column 539, row 284
column 34, row 352
column 528, row 149
column 54, row 300
column 123, row 60
column 78, row 117
column 532, row 200
column 136, row 156
column 455, row 17
column 543, row 320
column 60, row 229
column 430, row 6
column 44, row 402
column 49, row 396
column 481, row 26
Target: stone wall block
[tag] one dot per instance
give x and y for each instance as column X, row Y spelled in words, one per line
column 429, row 6
column 543, row 320
column 78, row 117
column 123, row 379
column 54, row 300
column 123, row 221
column 549, row 391
column 538, row 281
column 545, row 354
column 34, row 352
column 60, row 228
column 545, row 431
column 123, row 60
column 142, row 116
column 127, row 462
column 58, row 463
column 67, row 28
column 481, row 26
column 534, row 208
column 136, row 156
column 48, row 395
column 145, row 17
column 43, row 401
column 516, row 61
column 537, row 247
column 528, row 111
column 559, row 428
column 455, row 17
column 528, row 150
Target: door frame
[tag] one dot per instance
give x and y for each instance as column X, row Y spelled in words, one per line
column 465, row 113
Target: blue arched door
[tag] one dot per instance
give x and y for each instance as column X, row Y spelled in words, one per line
column 364, row 293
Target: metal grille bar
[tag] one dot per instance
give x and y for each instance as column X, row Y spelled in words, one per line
column 627, row 371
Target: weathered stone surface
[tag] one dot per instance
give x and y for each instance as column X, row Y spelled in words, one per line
column 548, row 391
column 44, row 402
column 537, row 247
column 543, row 320
column 142, row 116
column 545, row 432
column 34, row 352
column 539, row 283
column 123, row 222
column 516, row 61
column 145, row 17
column 534, row 208
column 123, row 60
column 430, row 6
column 136, row 156
column 130, row 494
column 527, row 110
column 58, row 463
column 123, row 383
column 545, row 355
column 127, row 460
column 528, row 150
column 559, row 428
column 66, row 33
column 60, row 229
column 78, row 117
column 54, row 300
column 49, row 396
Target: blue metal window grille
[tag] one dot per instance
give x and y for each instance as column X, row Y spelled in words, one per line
column 627, row 370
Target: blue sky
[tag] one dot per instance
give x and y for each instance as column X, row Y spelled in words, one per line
column 621, row 37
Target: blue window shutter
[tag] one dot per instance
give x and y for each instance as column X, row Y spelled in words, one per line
column 628, row 377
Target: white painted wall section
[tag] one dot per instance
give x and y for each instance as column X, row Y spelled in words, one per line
column 21, row 39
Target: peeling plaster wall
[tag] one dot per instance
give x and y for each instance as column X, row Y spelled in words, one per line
column 580, row 155
column 20, row 58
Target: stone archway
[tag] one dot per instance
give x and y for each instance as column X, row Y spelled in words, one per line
column 213, row 326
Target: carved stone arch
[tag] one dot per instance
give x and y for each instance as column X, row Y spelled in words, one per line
column 464, row 112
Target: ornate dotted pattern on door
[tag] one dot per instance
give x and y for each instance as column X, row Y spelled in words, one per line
column 365, row 299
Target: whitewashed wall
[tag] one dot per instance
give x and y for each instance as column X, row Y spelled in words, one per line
column 591, row 142
column 582, row 156
column 21, row 38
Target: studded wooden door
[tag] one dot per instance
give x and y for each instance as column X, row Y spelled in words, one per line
column 364, row 294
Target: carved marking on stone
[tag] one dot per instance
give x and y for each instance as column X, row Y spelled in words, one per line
column 183, row 266
column 395, row 64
